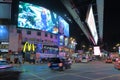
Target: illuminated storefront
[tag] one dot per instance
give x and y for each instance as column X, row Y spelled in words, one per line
column 28, row 47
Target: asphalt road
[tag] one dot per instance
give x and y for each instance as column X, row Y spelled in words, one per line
column 95, row 70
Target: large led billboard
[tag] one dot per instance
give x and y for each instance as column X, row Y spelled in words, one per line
column 97, row 50
column 4, row 33
column 91, row 24
column 61, row 40
column 63, row 26
column 36, row 17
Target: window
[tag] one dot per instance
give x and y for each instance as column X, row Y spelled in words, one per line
column 39, row 33
column 29, row 32
column 46, row 34
column 18, row 31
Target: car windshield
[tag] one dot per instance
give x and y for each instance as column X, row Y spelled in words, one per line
column 55, row 60
column 83, row 57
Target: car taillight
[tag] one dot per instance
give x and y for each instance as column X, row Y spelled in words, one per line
column 49, row 64
column 60, row 64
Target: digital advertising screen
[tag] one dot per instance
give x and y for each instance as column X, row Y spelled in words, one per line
column 63, row 26
column 4, row 33
column 4, row 46
column 50, row 49
column 61, row 40
column 97, row 50
column 91, row 24
column 39, row 48
column 66, row 42
column 36, row 17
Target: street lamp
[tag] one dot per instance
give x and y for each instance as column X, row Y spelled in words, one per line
column 114, row 48
column 118, row 48
column 89, row 49
column 117, row 45
column 83, row 46
column 72, row 43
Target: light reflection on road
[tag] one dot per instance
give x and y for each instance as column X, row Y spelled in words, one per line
column 79, row 71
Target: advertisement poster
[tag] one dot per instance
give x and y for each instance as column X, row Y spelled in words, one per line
column 61, row 40
column 37, row 17
column 97, row 50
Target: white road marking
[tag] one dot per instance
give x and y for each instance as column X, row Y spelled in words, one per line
column 108, row 77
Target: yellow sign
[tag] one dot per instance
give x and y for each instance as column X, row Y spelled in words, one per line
column 28, row 47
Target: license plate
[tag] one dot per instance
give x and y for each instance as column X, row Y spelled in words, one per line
column 54, row 64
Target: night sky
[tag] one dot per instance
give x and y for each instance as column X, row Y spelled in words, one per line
column 111, row 27
column 111, row 32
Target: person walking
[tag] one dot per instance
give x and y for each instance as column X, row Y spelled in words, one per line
column 37, row 58
column 20, row 60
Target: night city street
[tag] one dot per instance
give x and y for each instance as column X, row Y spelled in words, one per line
column 59, row 40
column 95, row 70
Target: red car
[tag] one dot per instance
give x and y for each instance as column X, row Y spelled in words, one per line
column 108, row 60
column 117, row 64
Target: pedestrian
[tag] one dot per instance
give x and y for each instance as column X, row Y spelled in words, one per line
column 70, row 60
column 12, row 58
column 20, row 60
column 37, row 58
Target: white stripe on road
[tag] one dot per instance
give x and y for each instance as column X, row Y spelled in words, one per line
column 40, row 78
column 80, row 76
column 108, row 77
column 58, row 75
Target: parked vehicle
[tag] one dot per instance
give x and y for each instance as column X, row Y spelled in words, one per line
column 108, row 60
column 84, row 60
column 8, row 71
column 117, row 64
column 59, row 64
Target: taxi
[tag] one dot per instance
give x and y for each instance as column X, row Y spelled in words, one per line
column 108, row 60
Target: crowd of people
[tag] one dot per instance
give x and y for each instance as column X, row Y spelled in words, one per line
column 28, row 57
column 20, row 58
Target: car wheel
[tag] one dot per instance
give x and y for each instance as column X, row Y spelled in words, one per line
column 62, row 68
column 66, row 67
column 52, row 69
column 70, row 67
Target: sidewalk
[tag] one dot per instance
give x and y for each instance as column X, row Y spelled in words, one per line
column 27, row 63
